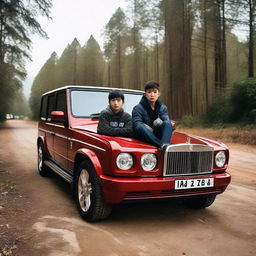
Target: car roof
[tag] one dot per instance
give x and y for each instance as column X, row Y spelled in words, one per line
column 97, row 88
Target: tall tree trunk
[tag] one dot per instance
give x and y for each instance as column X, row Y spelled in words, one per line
column 2, row 21
column 187, row 34
column 119, row 67
column 251, row 39
column 75, row 68
column 220, row 46
column 223, row 47
column 205, row 32
column 156, row 61
column 136, row 60
column 109, row 73
column 178, row 54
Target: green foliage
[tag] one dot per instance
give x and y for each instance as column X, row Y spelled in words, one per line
column 239, row 106
column 91, row 64
column 66, row 68
column 115, row 29
column 219, row 111
column 188, row 121
column 75, row 66
column 18, row 20
column 243, row 101
column 8, row 84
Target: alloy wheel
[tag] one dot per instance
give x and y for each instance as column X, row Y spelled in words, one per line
column 84, row 190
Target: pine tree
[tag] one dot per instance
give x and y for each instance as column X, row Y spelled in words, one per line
column 67, row 65
column 18, row 20
column 44, row 81
column 91, row 64
column 115, row 45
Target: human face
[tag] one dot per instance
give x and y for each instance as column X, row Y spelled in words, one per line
column 152, row 95
column 116, row 104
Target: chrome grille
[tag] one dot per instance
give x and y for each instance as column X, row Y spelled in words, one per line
column 188, row 159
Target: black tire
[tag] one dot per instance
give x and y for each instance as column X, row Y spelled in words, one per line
column 88, row 194
column 201, row 202
column 43, row 170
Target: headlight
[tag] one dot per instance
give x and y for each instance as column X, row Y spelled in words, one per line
column 220, row 159
column 148, row 162
column 124, row 161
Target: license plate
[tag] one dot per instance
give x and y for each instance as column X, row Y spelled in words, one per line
column 194, row 183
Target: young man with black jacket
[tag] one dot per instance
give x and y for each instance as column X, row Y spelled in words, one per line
column 151, row 122
column 113, row 120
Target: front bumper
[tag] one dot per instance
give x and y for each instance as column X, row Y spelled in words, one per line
column 116, row 189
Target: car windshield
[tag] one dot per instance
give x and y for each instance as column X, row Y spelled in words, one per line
column 86, row 103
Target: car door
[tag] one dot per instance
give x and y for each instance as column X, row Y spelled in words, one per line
column 48, row 126
column 60, row 138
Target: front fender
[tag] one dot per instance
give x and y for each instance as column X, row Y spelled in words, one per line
column 40, row 138
column 92, row 157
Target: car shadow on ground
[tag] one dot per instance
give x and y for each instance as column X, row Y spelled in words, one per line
column 169, row 210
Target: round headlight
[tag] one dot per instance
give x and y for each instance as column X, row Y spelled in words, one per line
column 124, row 161
column 148, row 162
column 220, row 159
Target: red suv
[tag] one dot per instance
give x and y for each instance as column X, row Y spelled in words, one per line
column 107, row 170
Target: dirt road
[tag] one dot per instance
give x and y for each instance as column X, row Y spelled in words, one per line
column 40, row 215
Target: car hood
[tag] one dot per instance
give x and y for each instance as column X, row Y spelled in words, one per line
column 122, row 141
column 177, row 138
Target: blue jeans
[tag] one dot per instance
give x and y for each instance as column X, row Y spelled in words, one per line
column 161, row 135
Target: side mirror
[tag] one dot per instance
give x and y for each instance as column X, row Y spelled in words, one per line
column 58, row 116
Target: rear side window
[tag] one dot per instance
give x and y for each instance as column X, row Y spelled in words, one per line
column 43, row 108
column 51, row 106
column 61, row 102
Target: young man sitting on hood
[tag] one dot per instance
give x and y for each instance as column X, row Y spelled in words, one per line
column 150, row 118
column 113, row 120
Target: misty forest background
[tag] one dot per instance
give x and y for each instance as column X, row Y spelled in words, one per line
column 188, row 46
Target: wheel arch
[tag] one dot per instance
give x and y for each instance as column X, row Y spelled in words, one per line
column 40, row 139
column 87, row 155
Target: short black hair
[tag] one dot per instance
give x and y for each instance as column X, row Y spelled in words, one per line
column 115, row 94
column 151, row 85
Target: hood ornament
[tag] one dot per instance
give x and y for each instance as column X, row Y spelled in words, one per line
column 188, row 140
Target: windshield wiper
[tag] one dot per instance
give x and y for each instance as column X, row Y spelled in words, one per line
column 95, row 115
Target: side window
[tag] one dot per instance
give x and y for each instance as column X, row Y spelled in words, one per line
column 51, row 106
column 43, row 111
column 61, row 104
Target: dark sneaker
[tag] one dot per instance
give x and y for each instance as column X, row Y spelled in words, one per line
column 164, row 147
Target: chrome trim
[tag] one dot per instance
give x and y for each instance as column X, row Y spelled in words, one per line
column 179, row 160
column 47, row 131
column 58, row 125
column 59, row 171
column 188, row 148
column 50, row 123
column 74, row 140
column 88, row 144
column 61, row 136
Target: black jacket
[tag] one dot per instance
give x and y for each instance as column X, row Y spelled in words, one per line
column 143, row 113
column 115, row 124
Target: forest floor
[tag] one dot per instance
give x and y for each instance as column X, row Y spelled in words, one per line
column 245, row 136
column 38, row 215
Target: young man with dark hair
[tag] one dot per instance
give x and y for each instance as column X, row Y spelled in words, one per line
column 113, row 120
column 150, row 118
